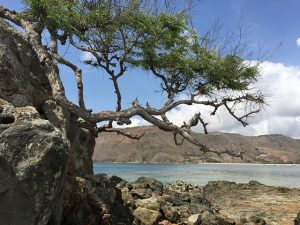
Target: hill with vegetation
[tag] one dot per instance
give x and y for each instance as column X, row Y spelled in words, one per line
column 159, row 146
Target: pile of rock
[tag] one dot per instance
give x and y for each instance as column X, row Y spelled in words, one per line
column 151, row 203
column 99, row 199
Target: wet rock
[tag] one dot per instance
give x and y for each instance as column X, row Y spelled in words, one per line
column 145, row 216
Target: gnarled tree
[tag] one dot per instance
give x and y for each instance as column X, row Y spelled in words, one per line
column 123, row 34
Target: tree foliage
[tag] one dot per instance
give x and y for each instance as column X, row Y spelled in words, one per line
column 123, row 34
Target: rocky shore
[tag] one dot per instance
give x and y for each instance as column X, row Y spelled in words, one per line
column 148, row 202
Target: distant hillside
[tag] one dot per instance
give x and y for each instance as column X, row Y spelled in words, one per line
column 159, row 146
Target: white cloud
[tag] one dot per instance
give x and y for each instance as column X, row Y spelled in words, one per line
column 85, row 56
column 298, row 42
column 282, row 116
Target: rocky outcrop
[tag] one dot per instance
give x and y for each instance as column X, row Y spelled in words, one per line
column 254, row 203
column 33, row 156
column 111, row 200
column 94, row 200
column 22, row 80
column 217, row 203
column 151, row 203
column 33, row 152
column 43, row 149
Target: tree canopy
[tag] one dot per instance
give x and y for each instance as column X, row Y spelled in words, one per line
column 124, row 34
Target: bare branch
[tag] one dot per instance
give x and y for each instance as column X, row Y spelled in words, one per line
column 77, row 71
column 120, row 132
column 175, row 139
column 86, row 49
column 162, row 77
column 240, row 119
column 204, row 125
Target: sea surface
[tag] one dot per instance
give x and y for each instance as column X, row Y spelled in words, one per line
column 270, row 174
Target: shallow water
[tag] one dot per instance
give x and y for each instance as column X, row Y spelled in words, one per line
column 278, row 175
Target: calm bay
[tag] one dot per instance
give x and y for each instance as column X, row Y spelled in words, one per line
column 287, row 175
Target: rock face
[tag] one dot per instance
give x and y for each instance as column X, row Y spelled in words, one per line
column 40, row 142
column 33, row 155
column 94, row 200
column 22, row 80
column 254, row 203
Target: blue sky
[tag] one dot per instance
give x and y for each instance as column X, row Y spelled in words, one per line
column 271, row 28
column 268, row 23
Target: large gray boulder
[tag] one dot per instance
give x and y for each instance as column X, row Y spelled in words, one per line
column 22, row 80
column 40, row 141
column 94, row 200
column 24, row 83
column 33, row 150
column 33, row 155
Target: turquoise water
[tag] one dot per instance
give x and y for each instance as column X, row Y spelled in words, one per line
column 279, row 175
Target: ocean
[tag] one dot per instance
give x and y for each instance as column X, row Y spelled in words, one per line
column 287, row 175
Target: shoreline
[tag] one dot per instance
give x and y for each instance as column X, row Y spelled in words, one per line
column 206, row 163
column 218, row 202
column 268, row 174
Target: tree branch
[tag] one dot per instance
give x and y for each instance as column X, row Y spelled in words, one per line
column 77, row 71
column 240, row 119
column 120, row 132
column 123, row 116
